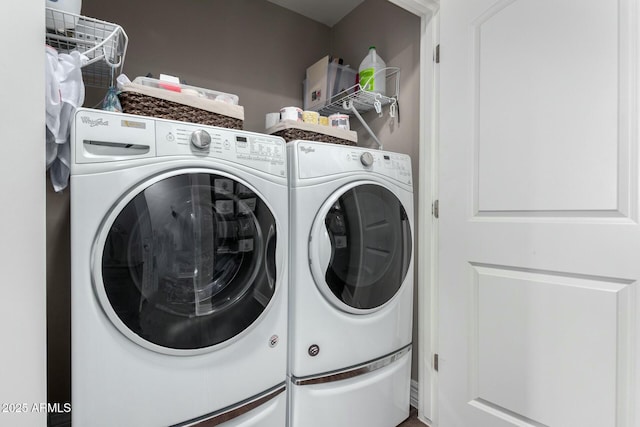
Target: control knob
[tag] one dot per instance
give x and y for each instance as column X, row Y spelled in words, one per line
column 366, row 159
column 201, row 139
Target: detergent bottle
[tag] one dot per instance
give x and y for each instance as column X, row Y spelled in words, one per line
column 372, row 75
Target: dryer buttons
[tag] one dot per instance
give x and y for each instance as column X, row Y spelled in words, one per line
column 314, row 350
column 201, row 139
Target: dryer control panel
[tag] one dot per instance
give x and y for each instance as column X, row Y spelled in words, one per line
column 319, row 159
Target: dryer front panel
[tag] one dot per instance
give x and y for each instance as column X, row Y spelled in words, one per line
column 186, row 261
column 360, row 247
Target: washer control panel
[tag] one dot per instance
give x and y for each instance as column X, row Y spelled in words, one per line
column 263, row 152
column 101, row 137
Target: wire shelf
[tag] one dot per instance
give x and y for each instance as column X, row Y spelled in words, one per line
column 361, row 99
column 103, row 43
column 356, row 100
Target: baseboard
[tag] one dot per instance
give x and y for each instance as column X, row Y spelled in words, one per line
column 413, row 399
column 413, row 396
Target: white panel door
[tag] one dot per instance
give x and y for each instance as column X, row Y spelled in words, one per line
column 539, row 235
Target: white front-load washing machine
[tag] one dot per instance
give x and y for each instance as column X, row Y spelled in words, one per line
column 351, row 286
column 179, row 274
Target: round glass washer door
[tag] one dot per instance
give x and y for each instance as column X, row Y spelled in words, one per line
column 186, row 262
column 360, row 247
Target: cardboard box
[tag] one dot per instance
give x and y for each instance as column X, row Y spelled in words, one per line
column 326, row 82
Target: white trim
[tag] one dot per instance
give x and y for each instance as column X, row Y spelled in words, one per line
column 414, row 400
column 421, row 8
column 430, row 297
column 427, row 238
column 414, row 393
column 425, row 221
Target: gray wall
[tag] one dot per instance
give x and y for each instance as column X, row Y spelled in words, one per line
column 58, row 296
column 258, row 51
column 251, row 48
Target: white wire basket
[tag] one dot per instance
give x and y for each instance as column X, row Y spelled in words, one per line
column 356, row 100
column 363, row 100
column 103, row 43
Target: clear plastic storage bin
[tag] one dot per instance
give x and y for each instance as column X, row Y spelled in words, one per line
column 215, row 95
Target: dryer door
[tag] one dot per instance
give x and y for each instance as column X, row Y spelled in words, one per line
column 186, row 262
column 360, row 247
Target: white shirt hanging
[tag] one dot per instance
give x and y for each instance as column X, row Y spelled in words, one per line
column 64, row 93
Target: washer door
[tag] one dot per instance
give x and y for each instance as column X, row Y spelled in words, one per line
column 188, row 261
column 360, row 247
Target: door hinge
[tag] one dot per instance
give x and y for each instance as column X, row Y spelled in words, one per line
column 435, row 362
column 435, row 209
column 436, row 56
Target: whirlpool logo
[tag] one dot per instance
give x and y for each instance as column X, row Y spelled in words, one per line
column 94, row 122
column 307, row 150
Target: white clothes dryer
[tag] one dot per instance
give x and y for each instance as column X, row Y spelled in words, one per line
column 351, row 286
column 179, row 274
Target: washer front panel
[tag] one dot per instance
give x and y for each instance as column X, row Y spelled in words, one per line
column 186, row 261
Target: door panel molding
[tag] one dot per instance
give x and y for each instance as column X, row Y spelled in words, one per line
column 521, row 362
column 611, row 193
column 505, row 414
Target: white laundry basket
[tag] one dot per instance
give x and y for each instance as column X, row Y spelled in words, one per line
column 63, row 21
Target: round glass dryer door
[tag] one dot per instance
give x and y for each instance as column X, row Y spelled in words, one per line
column 360, row 248
column 189, row 262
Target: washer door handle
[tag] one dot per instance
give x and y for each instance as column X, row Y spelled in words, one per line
column 325, row 249
column 270, row 257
